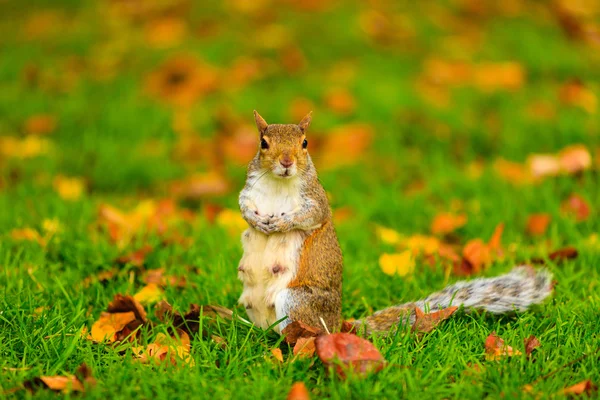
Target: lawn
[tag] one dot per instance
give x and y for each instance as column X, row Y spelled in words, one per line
column 126, row 126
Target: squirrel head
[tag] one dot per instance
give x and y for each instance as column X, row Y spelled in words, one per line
column 283, row 147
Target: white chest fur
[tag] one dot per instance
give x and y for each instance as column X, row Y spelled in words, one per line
column 269, row 262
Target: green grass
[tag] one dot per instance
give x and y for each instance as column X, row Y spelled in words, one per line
column 122, row 143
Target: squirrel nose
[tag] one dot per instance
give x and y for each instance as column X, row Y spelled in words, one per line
column 286, row 162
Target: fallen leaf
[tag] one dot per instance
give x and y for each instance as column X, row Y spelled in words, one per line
column 29, row 147
column 136, row 258
column 190, row 321
column 537, row 224
column 297, row 330
column 151, row 293
column 277, row 354
column 567, row 253
column 428, row 322
column 387, row 235
column 585, row 387
column 305, row 347
column 512, row 172
column 158, row 277
column 176, row 350
column 402, row 264
column 298, row 392
column 348, row 353
column 181, row 80
column 124, row 316
column 232, row 222
column 28, row 234
column 574, row 159
column 40, row 124
column 576, row 206
column 575, row 94
column 446, row 223
column 344, row 145
column 64, row 384
column 340, row 101
column 200, row 186
column 477, row 253
column 543, row 165
column 495, row 348
column 531, row 343
column 165, row 32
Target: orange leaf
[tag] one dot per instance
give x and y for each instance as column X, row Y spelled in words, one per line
column 40, row 124
column 277, row 354
column 496, row 349
column 586, row 387
column 427, row 322
column 305, row 347
column 575, row 159
column 477, row 253
column 537, row 224
column 349, row 353
column 345, row 145
column 446, row 223
column 298, row 392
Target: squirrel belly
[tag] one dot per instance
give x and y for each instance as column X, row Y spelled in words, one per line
column 267, row 267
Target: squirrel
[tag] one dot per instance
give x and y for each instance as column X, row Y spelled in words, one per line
column 291, row 268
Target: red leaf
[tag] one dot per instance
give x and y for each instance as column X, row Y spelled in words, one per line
column 347, row 352
column 576, row 206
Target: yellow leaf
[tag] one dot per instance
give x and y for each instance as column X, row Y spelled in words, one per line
column 28, row 147
column 68, row 188
column 387, row 235
column 232, row 221
column 149, row 294
column 398, row 263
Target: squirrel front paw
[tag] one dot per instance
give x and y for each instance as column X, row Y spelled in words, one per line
column 279, row 224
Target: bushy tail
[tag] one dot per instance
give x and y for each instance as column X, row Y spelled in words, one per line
column 515, row 291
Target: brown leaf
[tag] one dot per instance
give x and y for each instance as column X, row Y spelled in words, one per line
column 446, row 223
column 64, row 384
column 558, row 256
column 585, row 387
column 349, row 353
column 298, row 392
column 496, row 349
column 297, row 330
column 136, row 258
column 577, row 207
column 190, row 321
column 428, row 322
column 537, row 224
column 477, row 253
column 305, row 347
column 531, row 343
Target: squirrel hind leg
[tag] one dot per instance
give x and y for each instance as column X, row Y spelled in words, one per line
column 309, row 305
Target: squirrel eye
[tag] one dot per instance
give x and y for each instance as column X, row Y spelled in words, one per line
column 263, row 144
column 305, row 144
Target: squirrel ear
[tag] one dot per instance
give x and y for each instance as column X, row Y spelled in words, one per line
column 261, row 124
column 305, row 121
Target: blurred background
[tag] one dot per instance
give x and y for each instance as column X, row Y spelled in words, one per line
column 121, row 100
